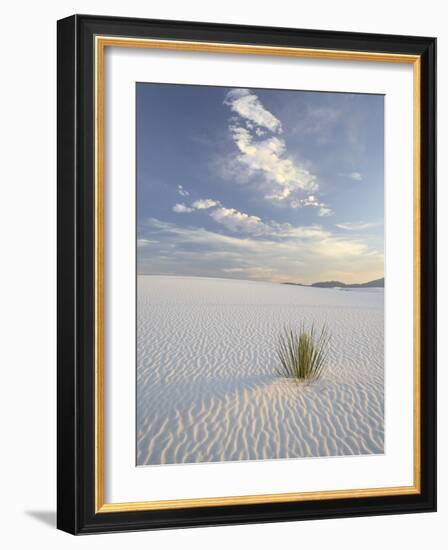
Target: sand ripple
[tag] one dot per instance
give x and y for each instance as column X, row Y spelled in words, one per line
column 206, row 369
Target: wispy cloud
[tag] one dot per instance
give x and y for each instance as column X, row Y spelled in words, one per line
column 248, row 106
column 195, row 235
column 355, row 176
column 356, row 226
column 294, row 254
column 324, row 211
column 266, row 161
column 243, row 223
column 182, row 191
column 238, row 221
column 264, row 249
column 145, row 242
column 286, row 153
column 268, row 158
column 322, row 208
column 181, row 208
column 204, row 204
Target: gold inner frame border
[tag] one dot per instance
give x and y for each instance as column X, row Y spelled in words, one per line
column 100, row 44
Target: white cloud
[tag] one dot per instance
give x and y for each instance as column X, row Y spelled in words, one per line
column 182, row 192
column 204, row 204
column 196, row 235
column 248, row 106
column 341, row 248
column 355, row 226
column 245, row 245
column 268, row 158
column 324, row 211
column 302, row 232
column 261, row 159
column 355, row 176
column 238, row 221
column 181, row 208
column 145, row 242
column 286, row 253
column 241, row 222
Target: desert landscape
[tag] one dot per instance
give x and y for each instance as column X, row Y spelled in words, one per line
column 208, row 381
column 259, row 274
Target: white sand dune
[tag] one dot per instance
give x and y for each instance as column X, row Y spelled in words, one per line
column 207, row 386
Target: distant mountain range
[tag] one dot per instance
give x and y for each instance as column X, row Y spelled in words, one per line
column 377, row 283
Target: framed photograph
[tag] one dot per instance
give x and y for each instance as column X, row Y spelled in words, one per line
column 246, row 274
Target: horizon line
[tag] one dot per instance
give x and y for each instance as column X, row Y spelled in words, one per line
column 256, row 280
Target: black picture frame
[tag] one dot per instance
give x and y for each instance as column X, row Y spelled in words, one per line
column 76, row 511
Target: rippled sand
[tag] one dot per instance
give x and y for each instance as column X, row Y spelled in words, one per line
column 207, row 387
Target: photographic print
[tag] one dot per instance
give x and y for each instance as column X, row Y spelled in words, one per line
column 229, row 338
column 260, row 274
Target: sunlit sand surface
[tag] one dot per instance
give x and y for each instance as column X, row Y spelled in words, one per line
column 207, row 383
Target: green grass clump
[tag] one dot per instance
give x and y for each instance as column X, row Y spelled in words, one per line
column 303, row 353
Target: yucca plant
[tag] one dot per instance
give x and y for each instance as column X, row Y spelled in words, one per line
column 303, row 353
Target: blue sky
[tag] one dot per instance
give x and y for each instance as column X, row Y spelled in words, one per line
column 259, row 184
